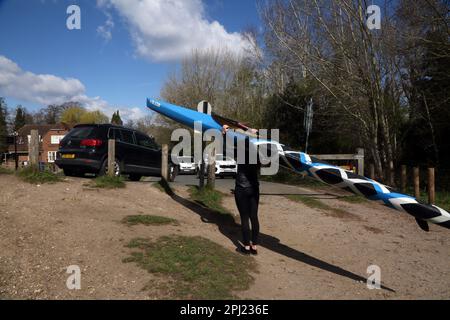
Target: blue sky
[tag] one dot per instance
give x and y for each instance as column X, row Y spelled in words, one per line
column 120, row 56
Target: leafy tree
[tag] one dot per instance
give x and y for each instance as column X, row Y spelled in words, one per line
column 94, row 117
column 52, row 113
column 3, row 125
column 20, row 119
column 116, row 118
column 72, row 115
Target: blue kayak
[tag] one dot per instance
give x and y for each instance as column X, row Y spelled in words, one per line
column 301, row 162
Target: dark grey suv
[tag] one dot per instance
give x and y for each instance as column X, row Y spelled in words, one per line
column 85, row 150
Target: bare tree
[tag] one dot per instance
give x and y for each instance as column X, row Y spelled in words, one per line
column 229, row 81
column 329, row 43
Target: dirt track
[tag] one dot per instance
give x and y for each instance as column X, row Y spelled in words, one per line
column 305, row 253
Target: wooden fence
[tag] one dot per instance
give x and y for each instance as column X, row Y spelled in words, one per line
column 358, row 156
column 431, row 188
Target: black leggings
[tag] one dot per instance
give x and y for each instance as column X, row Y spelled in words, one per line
column 247, row 200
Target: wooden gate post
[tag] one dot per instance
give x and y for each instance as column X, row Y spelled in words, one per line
column 165, row 162
column 431, row 186
column 111, row 157
column 416, row 173
column 360, row 155
column 403, row 178
column 33, row 149
column 212, row 169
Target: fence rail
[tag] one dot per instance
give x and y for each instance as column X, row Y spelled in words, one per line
column 358, row 156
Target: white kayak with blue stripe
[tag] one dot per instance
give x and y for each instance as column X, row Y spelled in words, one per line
column 301, row 162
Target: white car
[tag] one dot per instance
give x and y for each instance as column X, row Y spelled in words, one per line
column 187, row 165
column 225, row 166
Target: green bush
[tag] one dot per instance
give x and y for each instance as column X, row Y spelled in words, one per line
column 32, row 174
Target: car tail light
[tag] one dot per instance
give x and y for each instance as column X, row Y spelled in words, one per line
column 91, row 143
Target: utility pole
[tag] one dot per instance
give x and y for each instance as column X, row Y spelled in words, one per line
column 204, row 107
column 16, row 158
column 308, row 121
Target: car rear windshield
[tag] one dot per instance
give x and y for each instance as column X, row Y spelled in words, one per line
column 185, row 159
column 81, row 133
column 221, row 157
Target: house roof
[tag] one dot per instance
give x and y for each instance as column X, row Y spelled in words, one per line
column 25, row 131
column 41, row 128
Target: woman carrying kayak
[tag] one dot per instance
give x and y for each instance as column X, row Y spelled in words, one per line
column 246, row 195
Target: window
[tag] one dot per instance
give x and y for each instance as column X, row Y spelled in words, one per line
column 145, row 141
column 51, row 156
column 127, row 136
column 56, row 139
column 116, row 135
column 80, row 132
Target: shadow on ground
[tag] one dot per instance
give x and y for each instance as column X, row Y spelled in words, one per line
column 229, row 228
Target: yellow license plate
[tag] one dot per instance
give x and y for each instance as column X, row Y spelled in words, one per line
column 68, row 156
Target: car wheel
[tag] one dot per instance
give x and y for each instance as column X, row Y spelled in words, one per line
column 117, row 168
column 135, row 177
column 173, row 172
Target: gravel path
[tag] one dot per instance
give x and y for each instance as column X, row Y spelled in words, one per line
column 305, row 253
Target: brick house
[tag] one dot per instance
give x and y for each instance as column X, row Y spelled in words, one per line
column 49, row 137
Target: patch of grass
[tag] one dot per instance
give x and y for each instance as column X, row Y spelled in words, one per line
column 148, row 220
column 158, row 186
column 33, row 175
column 209, row 198
column 442, row 198
column 197, row 268
column 108, row 182
column 353, row 199
column 323, row 207
column 5, row 170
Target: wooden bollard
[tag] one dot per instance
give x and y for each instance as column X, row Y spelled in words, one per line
column 165, row 162
column 403, row 178
column 211, row 182
column 416, row 179
column 111, row 157
column 431, row 186
column 33, row 149
column 360, row 154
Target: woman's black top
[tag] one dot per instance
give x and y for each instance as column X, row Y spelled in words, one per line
column 247, row 176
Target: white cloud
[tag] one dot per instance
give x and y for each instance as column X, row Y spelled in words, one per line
column 164, row 30
column 48, row 89
column 38, row 88
column 105, row 30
